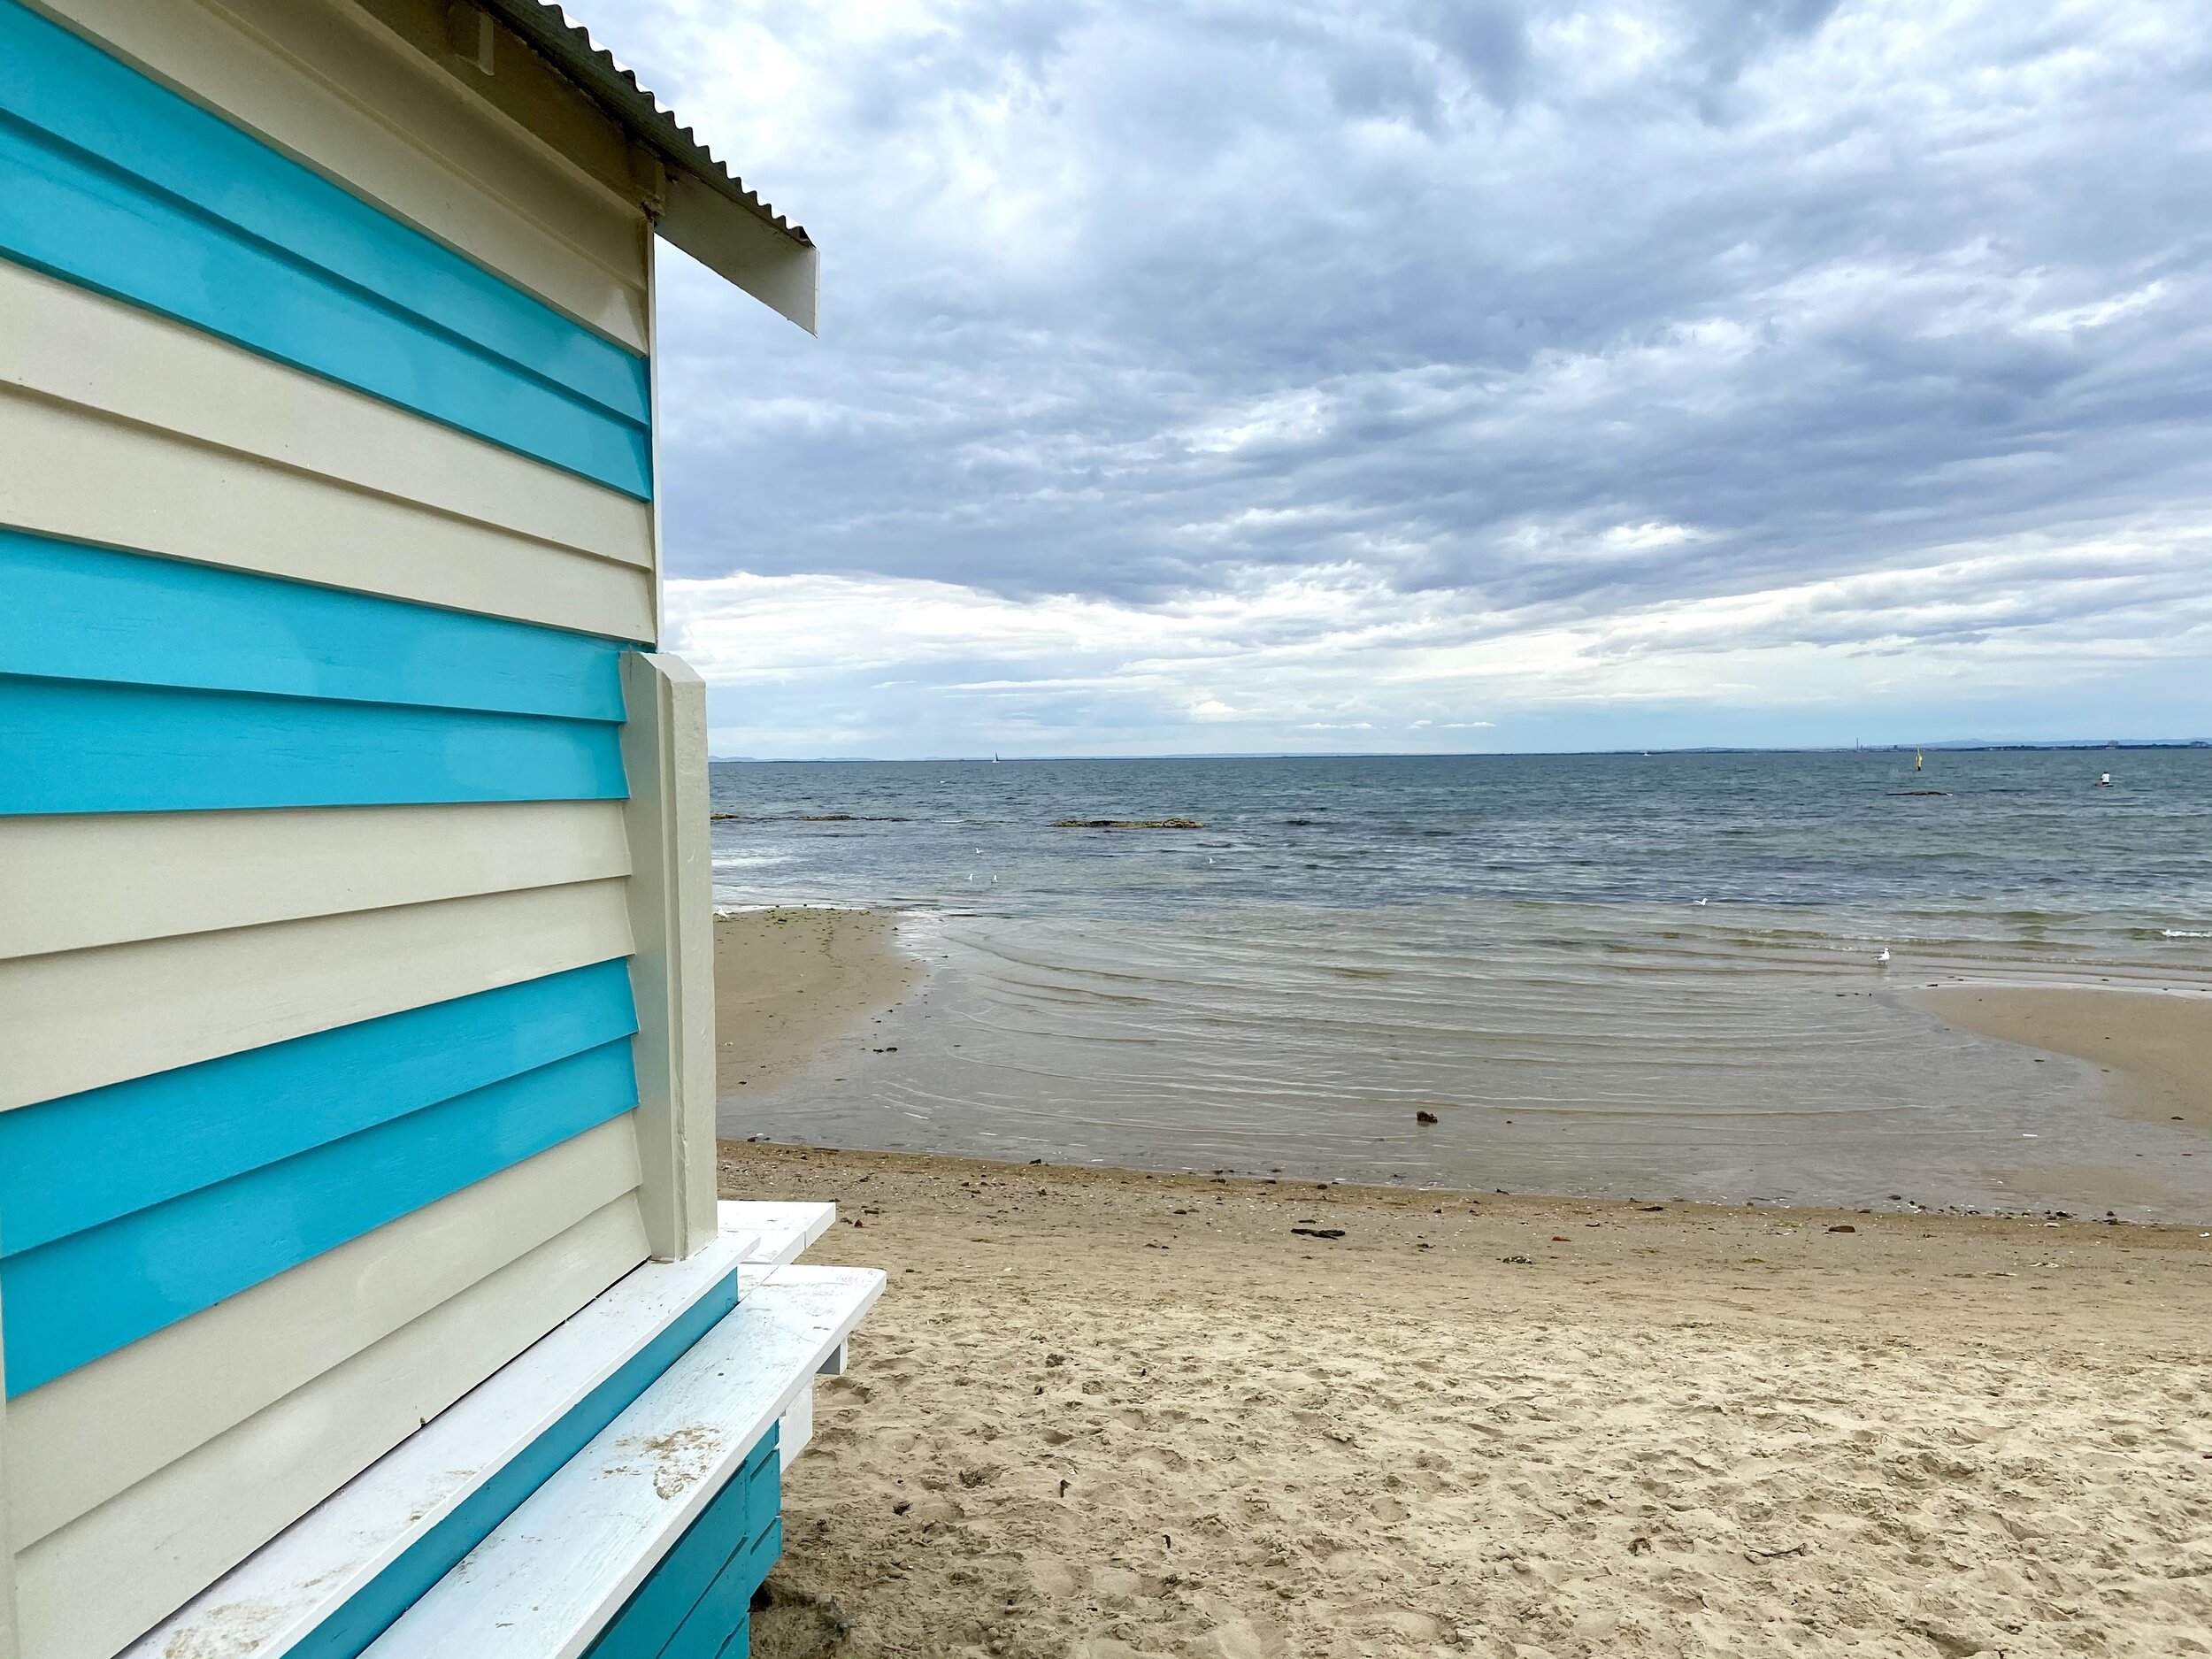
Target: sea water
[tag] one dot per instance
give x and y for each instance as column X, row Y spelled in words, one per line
column 1615, row 974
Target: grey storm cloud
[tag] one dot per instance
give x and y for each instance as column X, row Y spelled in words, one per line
column 1544, row 311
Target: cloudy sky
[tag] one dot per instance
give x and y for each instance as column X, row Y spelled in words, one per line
column 1204, row 376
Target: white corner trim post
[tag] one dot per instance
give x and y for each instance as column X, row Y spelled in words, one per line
column 11, row 1648
column 672, row 923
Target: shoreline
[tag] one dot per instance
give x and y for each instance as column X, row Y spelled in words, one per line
column 1116, row 1414
column 793, row 982
column 814, row 1005
column 2157, row 1043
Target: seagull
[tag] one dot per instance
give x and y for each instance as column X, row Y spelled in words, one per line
column 1702, row 901
column 1882, row 959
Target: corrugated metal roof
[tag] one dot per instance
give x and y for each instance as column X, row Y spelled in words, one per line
column 568, row 46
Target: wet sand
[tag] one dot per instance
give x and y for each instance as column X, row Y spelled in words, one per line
column 1693, row 1069
column 790, row 983
column 1101, row 1414
column 2156, row 1044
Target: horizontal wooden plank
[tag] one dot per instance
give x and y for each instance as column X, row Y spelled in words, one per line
column 72, row 747
column 182, row 1527
column 72, row 883
column 558, row 1570
column 87, row 1159
column 92, row 1292
column 78, row 1020
column 333, row 88
column 375, row 1537
column 126, row 123
column 76, row 346
column 78, row 473
column 69, row 612
column 103, row 1428
column 64, row 217
column 784, row 1228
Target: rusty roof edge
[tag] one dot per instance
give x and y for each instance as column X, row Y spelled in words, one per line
column 568, row 46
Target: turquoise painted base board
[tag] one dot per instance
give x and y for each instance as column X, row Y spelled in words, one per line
column 696, row 1598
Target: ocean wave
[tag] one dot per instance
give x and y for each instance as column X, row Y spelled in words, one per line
column 804, row 817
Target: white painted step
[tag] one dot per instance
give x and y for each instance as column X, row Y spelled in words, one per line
column 544, row 1584
column 265, row 1604
column 784, row 1231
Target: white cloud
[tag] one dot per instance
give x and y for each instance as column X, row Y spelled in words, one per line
column 1332, row 650
column 1208, row 373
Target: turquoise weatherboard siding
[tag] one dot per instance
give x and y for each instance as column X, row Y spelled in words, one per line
column 83, row 1160
column 113, row 181
column 130, row 683
column 697, row 1598
column 89, row 1294
column 371, row 1612
column 67, row 747
column 72, row 611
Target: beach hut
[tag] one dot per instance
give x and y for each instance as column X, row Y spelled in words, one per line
column 363, row 1287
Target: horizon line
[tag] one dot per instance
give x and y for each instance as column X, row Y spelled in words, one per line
column 1949, row 745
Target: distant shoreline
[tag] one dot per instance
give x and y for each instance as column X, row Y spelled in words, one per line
column 1949, row 746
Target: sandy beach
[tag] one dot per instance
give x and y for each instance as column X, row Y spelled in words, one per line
column 2157, row 1045
column 790, row 982
column 1104, row 1413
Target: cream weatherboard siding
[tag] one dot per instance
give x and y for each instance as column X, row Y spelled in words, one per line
column 189, row 1520
column 74, row 1020
column 355, row 1013
column 89, row 353
column 96, row 1432
column 74, row 883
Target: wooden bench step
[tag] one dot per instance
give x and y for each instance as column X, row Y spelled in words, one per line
column 326, row 1587
column 575, row 1564
column 322, row 1588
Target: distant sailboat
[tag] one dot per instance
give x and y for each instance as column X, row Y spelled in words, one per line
column 1916, row 760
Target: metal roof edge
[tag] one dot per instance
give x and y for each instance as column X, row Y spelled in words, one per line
column 568, row 46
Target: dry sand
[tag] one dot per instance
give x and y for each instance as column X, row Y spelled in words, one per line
column 2158, row 1044
column 1102, row 1414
